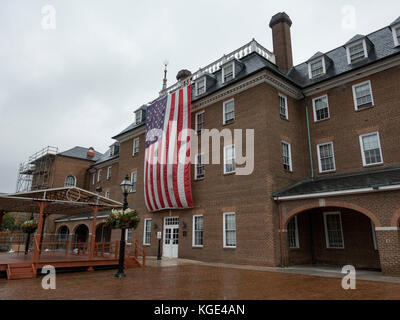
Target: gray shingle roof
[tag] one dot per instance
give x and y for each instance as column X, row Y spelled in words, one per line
column 341, row 182
column 81, row 153
column 355, row 38
column 395, row 21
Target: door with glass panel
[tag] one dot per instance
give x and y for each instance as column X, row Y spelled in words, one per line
column 171, row 237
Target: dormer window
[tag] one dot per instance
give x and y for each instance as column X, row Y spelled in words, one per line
column 396, row 35
column 356, row 51
column 138, row 116
column 228, row 72
column 316, row 68
column 112, row 151
column 200, row 86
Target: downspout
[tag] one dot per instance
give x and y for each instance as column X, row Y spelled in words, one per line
column 281, row 233
column 309, row 139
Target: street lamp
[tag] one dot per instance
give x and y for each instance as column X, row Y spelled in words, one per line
column 126, row 186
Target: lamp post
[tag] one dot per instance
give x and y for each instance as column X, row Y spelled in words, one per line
column 126, row 186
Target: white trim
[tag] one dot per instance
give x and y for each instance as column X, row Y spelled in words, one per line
column 93, row 178
column 234, row 158
column 144, row 231
column 109, row 172
column 395, row 40
column 386, row 229
column 323, row 67
column 133, row 146
column 337, row 193
column 195, row 119
column 353, row 44
column 195, row 166
column 286, row 106
column 65, row 181
column 373, row 230
column 224, row 113
column 193, row 231
column 224, row 230
column 326, row 229
column 99, row 175
column 140, row 111
column 290, row 155
column 223, row 71
column 136, row 174
column 315, row 111
column 355, row 95
column 107, row 194
column 319, row 157
column 296, row 234
column 126, row 236
column 362, row 148
column 204, row 79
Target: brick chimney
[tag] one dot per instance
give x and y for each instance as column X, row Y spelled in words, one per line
column 90, row 152
column 280, row 25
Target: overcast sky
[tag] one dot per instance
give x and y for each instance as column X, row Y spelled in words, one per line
column 78, row 84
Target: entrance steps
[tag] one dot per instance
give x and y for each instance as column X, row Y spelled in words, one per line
column 21, row 271
column 132, row 262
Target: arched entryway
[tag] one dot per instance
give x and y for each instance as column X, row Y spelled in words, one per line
column 332, row 236
column 63, row 234
column 103, row 233
column 81, row 233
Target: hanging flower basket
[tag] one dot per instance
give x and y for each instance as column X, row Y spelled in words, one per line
column 120, row 219
column 29, row 226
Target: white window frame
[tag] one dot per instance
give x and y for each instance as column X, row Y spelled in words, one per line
column 224, row 230
column 99, row 175
column 319, row 157
column 224, row 113
column 286, row 106
column 195, row 166
column 136, row 116
column 65, row 180
column 132, row 173
column 326, row 229
column 323, row 67
column 362, row 148
column 353, row 45
column 196, row 86
column 109, row 173
column 107, row 194
column 315, row 110
column 93, row 178
column 145, row 230
column 395, row 39
column 355, row 95
column 374, row 240
column 290, row 155
column 234, row 158
column 296, row 234
column 134, row 145
column 194, row 231
column 196, row 121
column 126, row 235
column 233, row 71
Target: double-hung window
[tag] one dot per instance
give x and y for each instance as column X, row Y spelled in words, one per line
column 129, row 236
column 197, row 231
column 293, row 233
column 333, row 230
column 229, row 159
column 200, row 86
column 283, row 106
column 321, row 108
column 326, row 157
column 147, row 232
column 109, row 173
column 199, row 121
column 99, row 175
column 228, row 72
column 107, row 194
column 229, row 111
column 356, row 51
column 133, row 180
column 287, row 156
column 371, row 150
column 200, row 167
column 229, row 222
column 317, row 68
column 135, row 149
column 362, row 94
column 396, row 35
column 138, row 116
column 94, row 178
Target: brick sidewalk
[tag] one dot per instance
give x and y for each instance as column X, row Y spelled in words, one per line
column 194, row 282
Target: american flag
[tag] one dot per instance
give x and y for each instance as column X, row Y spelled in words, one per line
column 167, row 181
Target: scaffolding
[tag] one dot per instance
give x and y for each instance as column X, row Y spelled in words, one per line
column 38, row 172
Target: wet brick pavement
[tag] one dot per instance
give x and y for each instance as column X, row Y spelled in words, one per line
column 194, row 282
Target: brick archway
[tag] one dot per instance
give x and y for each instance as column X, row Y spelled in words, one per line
column 316, row 205
column 62, row 226
column 395, row 219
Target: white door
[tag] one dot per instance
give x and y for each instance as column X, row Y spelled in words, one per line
column 171, row 237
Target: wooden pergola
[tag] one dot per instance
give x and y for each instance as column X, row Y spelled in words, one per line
column 70, row 200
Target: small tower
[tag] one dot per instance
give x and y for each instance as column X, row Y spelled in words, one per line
column 165, row 76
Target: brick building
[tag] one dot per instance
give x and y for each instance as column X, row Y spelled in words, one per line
column 326, row 179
